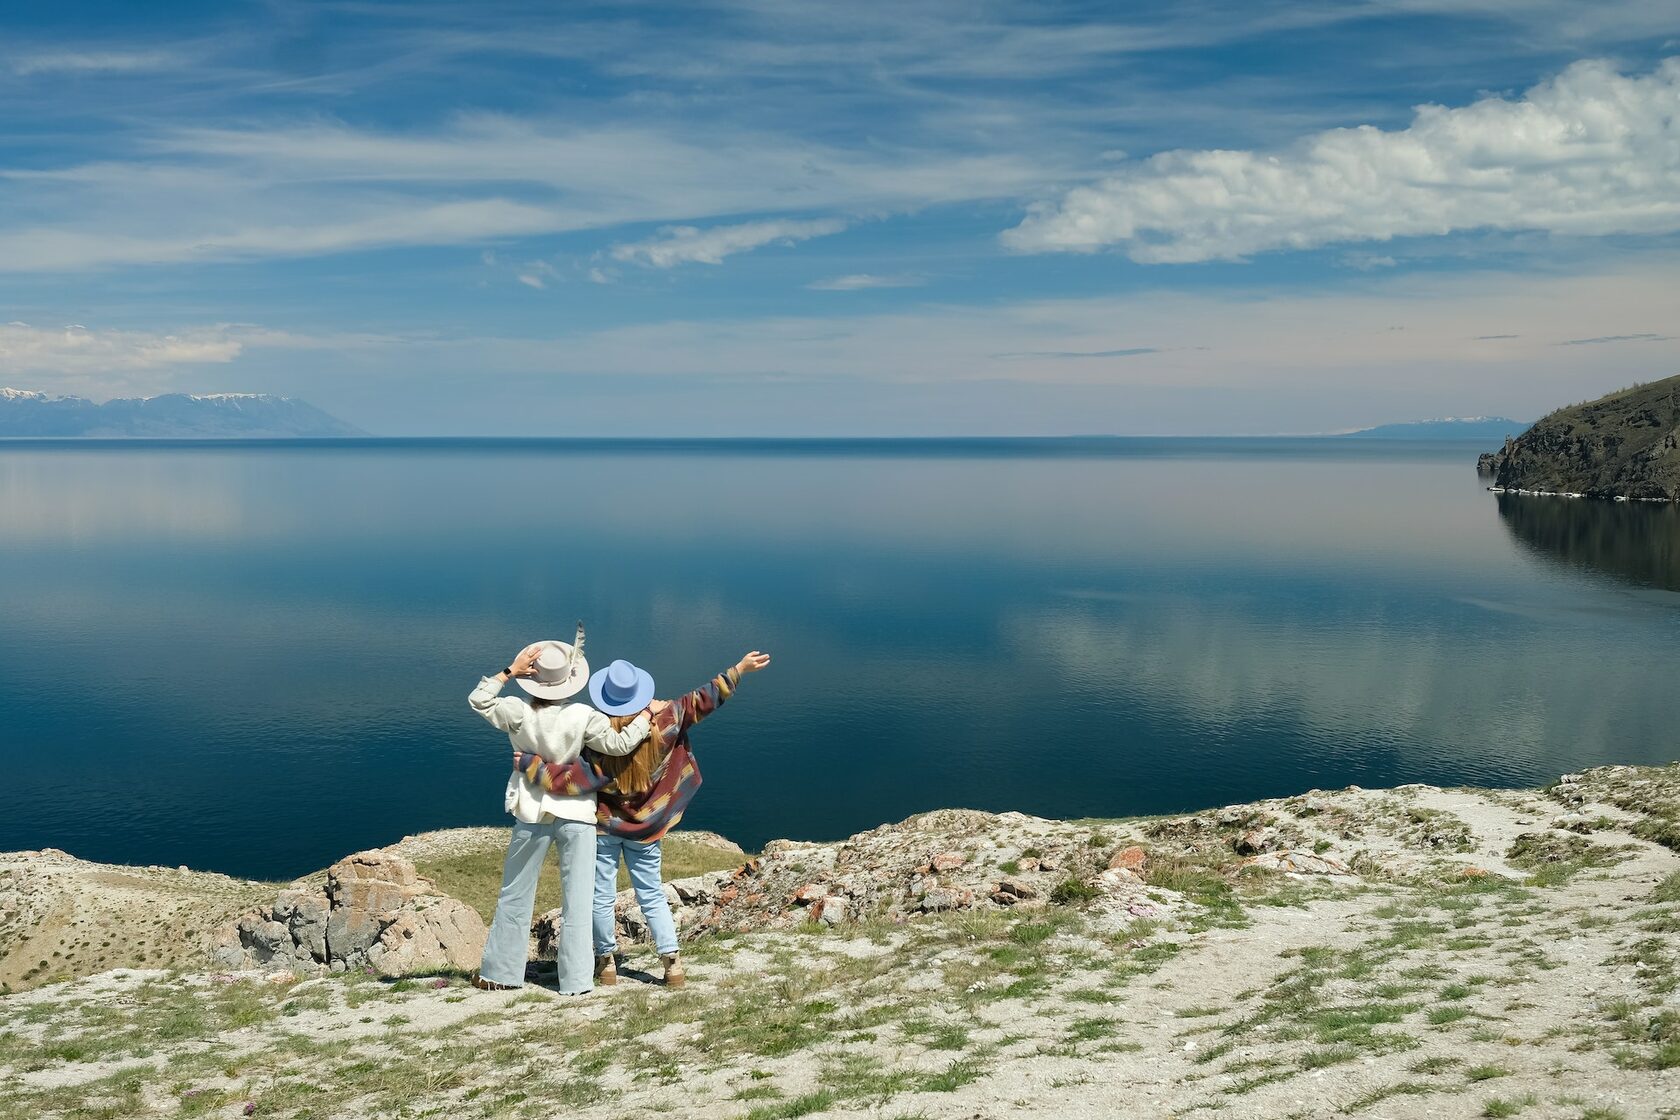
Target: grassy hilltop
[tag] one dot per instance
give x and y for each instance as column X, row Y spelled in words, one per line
column 1626, row 444
column 1375, row 953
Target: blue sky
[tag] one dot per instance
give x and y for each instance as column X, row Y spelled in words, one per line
column 873, row 218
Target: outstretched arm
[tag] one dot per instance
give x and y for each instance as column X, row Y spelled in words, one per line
column 708, row 698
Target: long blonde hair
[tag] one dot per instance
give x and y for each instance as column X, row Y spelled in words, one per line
column 633, row 773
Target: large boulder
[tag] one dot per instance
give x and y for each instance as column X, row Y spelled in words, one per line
column 373, row 911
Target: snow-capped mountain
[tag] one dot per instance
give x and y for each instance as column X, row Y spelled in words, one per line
column 25, row 412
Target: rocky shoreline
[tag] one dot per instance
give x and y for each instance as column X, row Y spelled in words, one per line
column 1573, row 494
column 1406, row 952
column 1624, row 446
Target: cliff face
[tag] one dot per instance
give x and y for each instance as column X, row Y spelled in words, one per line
column 1624, row 445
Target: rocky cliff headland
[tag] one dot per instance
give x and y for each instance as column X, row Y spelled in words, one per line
column 1625, row 445
column 1383, row 953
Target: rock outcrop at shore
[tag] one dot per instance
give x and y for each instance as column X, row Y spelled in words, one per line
column 1625, row 445
column 373, row 911
column 956, row 860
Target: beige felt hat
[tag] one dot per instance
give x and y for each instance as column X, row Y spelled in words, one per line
column 560, row 671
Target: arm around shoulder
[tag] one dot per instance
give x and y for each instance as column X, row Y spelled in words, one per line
column 599, row 736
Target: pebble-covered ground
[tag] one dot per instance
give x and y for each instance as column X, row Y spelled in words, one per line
column 1441, row 953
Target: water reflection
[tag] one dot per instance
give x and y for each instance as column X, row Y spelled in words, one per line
column 1638, row 542
column 1080, row 635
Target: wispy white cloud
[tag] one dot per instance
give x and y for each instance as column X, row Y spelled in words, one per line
column 1283, row 353
column 1330, row 347
column 858, row 281
column 676, row 245
column 1590, row 152
column 536, row 274
column 1366, row 262
column 1064, row 355
column 1601, row 340
column 92, row 61
column 110, row 361
column 224, row 194
column 77, row 349
column 207, row 238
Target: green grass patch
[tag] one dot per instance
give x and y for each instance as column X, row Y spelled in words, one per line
column 1552, row 858
column 961, row 1072
column 1073, row 891
column 1399, row 1089
column 1326, row 1056
column 819, row 1101
column 859, row 1077
column 475, row 876
column 1084, row 1030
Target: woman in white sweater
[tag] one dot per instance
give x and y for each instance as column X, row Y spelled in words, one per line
column 546, row 725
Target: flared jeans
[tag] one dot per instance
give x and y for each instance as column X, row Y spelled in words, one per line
column 510, row 931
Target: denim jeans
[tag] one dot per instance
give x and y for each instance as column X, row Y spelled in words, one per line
column 642, row 861
column 510, row 931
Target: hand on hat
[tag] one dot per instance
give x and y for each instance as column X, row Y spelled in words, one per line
column 753, row 662
column 525, row 664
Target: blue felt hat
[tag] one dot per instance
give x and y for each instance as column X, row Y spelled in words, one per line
column 620, row 689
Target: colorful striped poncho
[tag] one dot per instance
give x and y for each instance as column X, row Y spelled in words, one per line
column 648, row 815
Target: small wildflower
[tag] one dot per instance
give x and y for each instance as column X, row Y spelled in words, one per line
column 250, row 1108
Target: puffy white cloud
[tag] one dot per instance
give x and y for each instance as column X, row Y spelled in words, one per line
column 1590, row 152
column 858, row 281
column 689, row 244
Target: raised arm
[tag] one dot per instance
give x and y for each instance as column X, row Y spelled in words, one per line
column 709, row 697
column 599, row 736
column 504, row 713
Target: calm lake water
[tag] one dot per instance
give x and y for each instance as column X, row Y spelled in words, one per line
column 255, row 658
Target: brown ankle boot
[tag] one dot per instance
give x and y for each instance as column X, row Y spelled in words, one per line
column 674, row 977
column 606, row 971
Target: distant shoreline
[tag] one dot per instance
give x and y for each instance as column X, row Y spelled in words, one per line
column 1338, row 439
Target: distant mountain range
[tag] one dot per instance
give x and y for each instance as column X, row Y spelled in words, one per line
column 1479, row 428
column 1625, row 445
column 172, row 415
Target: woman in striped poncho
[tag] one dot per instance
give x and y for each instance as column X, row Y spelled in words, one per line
column 639, row 796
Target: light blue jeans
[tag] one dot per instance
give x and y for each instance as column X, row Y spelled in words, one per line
column 508, row 944
column 642, row 861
